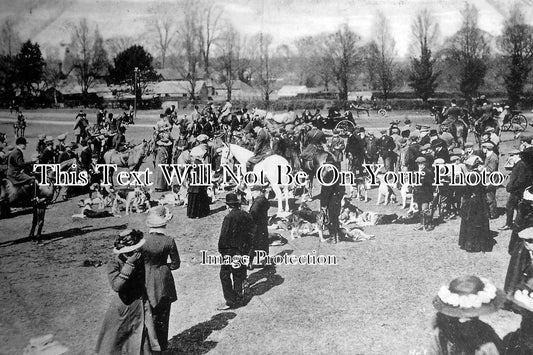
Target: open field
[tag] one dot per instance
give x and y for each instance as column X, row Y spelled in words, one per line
column 377, row 300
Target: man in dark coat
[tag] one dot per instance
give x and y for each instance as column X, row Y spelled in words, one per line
column 159, row 282
column 371, row 149
column 520, row 264
column 386, row 148
column 331, row 201
column 521, row 177
column 48, row 155
column 68, row 153
column 423, row 195
column 524, row 218
column 355, row 150
column 412, row 153
column 441, row 150
column 235, row 242
column 262, row 145
column 16, row 164
column 86, row 155
column 259, row 213
column 119, row 142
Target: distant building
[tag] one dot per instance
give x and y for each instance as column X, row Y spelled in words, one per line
column 288, row 91
column 177, row 90
column 239, row 91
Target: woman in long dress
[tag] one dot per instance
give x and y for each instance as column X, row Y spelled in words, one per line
column 162, row 157
column 474, row 233
column 198, row 201
column 128, row 324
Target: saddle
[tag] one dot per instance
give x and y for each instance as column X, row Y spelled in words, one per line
column 10, row 192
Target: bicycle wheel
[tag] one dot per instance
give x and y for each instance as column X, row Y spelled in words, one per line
column 519, row 123
column 382, row 112
column 345, row 127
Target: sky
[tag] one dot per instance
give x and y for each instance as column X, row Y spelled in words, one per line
column 47, row 21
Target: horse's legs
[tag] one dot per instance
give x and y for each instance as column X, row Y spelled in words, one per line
column 286, row 194
column 41, row 210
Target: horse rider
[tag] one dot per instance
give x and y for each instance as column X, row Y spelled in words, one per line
column 314, row 141
column 119, row 141
column 100, row 117
column 292, row 148
column 452, row 113
column 48, row 155
column 262, row 145
column 41, row 144
column 61, row 146
column 21, row 122
column 16, row 164
column 68, row 153
column 394, row 129
column 225, row 113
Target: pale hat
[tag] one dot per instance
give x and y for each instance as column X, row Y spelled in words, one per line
column 526, row 233
column 158, row 217
column 202, row 138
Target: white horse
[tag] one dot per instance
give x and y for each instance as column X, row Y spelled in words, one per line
column 268, row 168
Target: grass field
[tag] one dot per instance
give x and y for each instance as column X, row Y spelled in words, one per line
column 377, row 300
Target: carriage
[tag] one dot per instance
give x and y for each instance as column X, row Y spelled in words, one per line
column 335, row 120
column 381, row 110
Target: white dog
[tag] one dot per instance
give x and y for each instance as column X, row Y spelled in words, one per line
column 361, row 187
column 137, row 199
column 385, row 191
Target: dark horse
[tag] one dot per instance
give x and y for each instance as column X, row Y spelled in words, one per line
column 458, row 129
column 310, row 166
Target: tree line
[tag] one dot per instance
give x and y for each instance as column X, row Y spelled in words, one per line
column 199, row 44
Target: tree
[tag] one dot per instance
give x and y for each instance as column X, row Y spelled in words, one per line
column 423, row 77
column 230, row 55
column 165, row 31
column 468, row 52
column 117, row 44
column 342, row 57
column 265, row 73
column 126, row 62
column 516, row 43
column 381, row 56
column 190, row 45
column 210, row 15
column 29, row 67
column 89, row 56
column 9, row 39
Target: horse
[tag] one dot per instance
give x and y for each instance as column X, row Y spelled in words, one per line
column 132, row 158
column 27, row 195
column 358, row 109
column 268, row 168
column 311, row 166
column 19, row 128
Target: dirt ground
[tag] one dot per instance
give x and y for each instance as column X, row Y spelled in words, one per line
column 377, row 300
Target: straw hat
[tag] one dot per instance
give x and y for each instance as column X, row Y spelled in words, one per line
column 128, row 241
column 158, row 217
column 467, row 297
column 523, row 296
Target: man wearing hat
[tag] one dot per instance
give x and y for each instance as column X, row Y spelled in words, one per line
column 67, row 154
column 259, row 214
column 234, row 242
column 371, row 149
column 520, row 178
column 526, row 141
column 41, row 145
column 423, row 194
column 48, row 156
column 491, row 164
column 16, row 164
column 119, row 141
column 355, row 151
column 262, row 145
column 441, row 149
column 394, row 129
column 385, row 145
column 468, row 151
column 81, row 126
column 412, row 152
column 159, row 282
column 452, row 114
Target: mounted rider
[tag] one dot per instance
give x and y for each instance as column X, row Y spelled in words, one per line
column 314, row 141
column 225, row 113
column 16, row 164
column 452, row 114
column 262, row 145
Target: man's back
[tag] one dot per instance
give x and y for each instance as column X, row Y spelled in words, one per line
column 235, row 235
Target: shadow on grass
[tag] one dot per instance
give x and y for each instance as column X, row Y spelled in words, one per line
column 69, row 233
column 193, row 341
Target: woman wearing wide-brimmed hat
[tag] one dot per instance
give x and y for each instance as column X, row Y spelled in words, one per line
column 159, row 281
column 457, row 328
column 474, row 233
column 520, row 342
column 128, row 325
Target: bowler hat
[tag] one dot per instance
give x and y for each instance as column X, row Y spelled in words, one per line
column 232, row 199
column 469, row 145
column 21, row 140
column 467, row 297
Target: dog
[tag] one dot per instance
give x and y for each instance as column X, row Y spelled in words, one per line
column 305, row 221
column 406, row 191
column 362, row 185
column 132, row 199
column 172, row 199
column 351, row 214
column 385, row 191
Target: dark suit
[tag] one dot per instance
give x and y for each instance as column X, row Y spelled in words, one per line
column 16, row 166
column 159, row 282
column 491, row 164
column 48, row 156
column 235, row 240
column 259, row 213
column 331, row 199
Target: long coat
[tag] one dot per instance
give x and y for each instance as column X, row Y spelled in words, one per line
column 236, row 233
column 259, row 213
column 424, row 192
column 519, row 267
column 474, row 233
column 16, row 166
column 128, row 318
